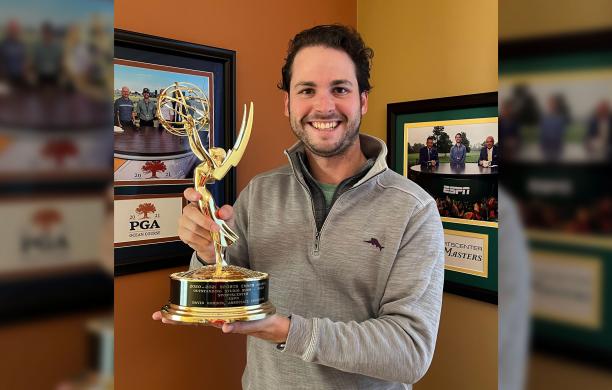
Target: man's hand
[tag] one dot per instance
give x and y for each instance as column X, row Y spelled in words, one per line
column 195, row 227
column 157, row 316
column 274, row 328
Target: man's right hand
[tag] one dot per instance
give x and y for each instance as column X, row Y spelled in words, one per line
column 195, row 227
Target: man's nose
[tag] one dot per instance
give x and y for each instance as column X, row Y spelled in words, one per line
column 324, row 103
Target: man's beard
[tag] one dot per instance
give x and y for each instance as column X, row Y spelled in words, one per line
column 348, row 138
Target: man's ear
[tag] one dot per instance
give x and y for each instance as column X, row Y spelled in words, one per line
column 364, row 102
column 286, row 97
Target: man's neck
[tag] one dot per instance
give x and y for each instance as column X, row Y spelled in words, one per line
column 335, row 169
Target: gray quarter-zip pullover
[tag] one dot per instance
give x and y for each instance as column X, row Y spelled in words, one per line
column 364, row 289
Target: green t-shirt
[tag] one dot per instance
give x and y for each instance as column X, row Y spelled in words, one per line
column 328, row 191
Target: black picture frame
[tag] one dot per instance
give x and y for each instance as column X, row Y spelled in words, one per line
column 395, row 158
column 133, row 46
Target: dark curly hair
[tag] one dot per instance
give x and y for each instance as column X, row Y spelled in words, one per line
column 333, row 36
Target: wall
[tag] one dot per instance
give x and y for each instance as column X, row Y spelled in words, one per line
column 46, row 352
column 426, row 50
column 150, row 355
column 528, row 18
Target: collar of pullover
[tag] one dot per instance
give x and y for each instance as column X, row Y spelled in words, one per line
column 372, row 148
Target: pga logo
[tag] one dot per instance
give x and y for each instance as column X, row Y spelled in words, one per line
column 45, row 232
column 454, row 190
column 144, row 223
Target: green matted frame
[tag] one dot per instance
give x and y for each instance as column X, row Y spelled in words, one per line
column 467, row 107
column 588, row 340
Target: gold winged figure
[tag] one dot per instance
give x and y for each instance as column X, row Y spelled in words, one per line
column 192, row 115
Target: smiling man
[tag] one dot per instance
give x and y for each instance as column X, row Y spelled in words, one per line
column 354, row 251
column 489, row 152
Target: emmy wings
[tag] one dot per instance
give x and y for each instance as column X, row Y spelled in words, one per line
column 234, row 155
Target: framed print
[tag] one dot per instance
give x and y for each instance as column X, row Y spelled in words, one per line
column 52, row 255
column 449, row 147
column 152, row 167
column 146, row 219
column 54, row 164
column 558, row 173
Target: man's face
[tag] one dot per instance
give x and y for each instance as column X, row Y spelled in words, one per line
column 323, row 104
column 125, row 92
column 146, row 95
column 490, row 141
column 429, row 143
column 458, row 139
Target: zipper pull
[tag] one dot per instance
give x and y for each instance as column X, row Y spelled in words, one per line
column 316, row 247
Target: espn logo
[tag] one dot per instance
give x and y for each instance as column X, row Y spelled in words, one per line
column 456, row 190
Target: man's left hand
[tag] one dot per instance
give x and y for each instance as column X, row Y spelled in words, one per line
column 274, row 328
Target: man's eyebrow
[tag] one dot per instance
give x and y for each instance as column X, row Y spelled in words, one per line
column 305, row 84
column 313, row 84
column 337, row 82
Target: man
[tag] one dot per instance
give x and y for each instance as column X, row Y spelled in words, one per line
column 458, row 152
column 428, row 155
column 124, row 109
column 13, row 55
column 146, row 109
column 167, row 113
column 489, row 153
column 48, row 56
column 553, row 126
column 354, row 251
column 509, row 130
column 598, row 138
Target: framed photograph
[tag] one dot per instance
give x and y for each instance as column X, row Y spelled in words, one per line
column 149, row 154
column 152, row 167
column 449, row 146
column 557, row 175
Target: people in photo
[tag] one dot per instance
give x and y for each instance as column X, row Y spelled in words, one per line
column 598, row 139
column 146, row 109
column 458, row 151
column 428, row 154
column 124, row 109
column 489, row 155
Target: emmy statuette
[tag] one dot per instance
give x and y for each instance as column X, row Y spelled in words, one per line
column 213, row 293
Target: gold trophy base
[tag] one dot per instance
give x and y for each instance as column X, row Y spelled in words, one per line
column 203, row 297
column 206, row 316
